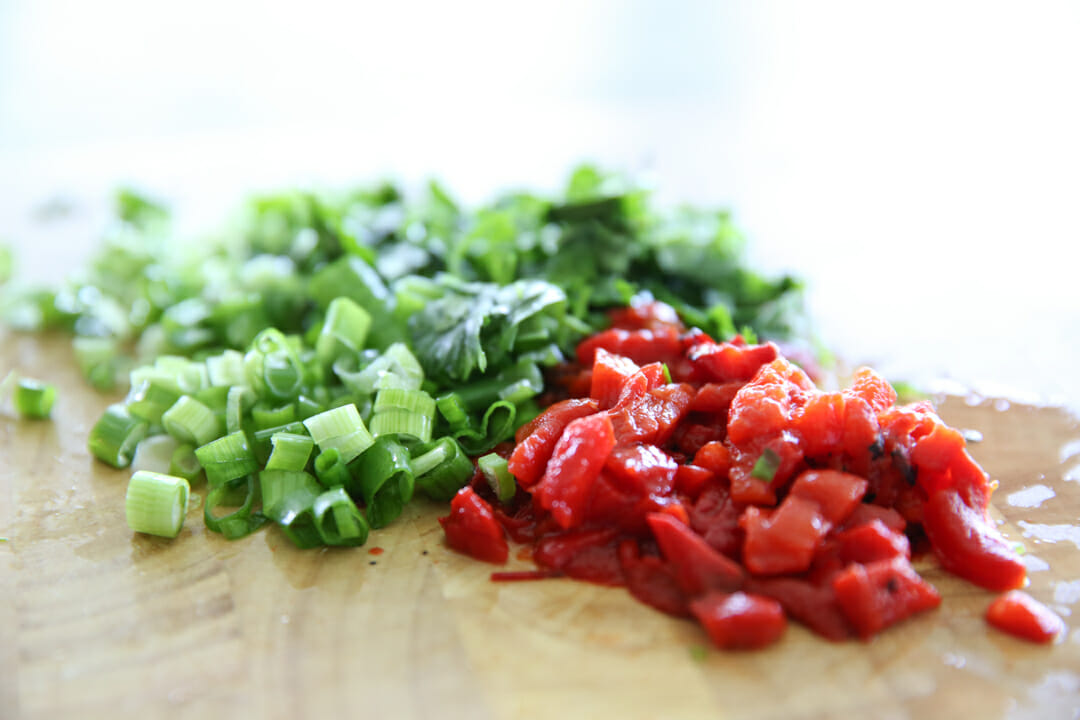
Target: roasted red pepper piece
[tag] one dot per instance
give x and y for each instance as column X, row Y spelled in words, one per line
column 534, row 448
column 1022, row 616
column 785, row 540
column 698, row 567
column 575, row 463
column 869, row 542
column 740, row 621
column 880, row 594
column 652, row 581
column 590, row 555
column 968, row 545
column 813, row 605
column 471, row 528
column 836, row 493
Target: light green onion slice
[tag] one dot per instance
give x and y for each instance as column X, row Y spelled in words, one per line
column 385, row 480
column 494, row 468
column 496, row 425
column 115, row 436
column 340, row 428
column 344, row 329
column 184, row 463
column 331, row 470
column 226, row 369
column 226, row 458
column 338, row 520
column 154, row 453
column 241, row 522
column 401, row 422
column 237, row 402
column 189, row 421
column 97, row 358
column 34, row 399
column 264, row 417
column 156, row 503
column 452, row 408
column 415, row 401
column 288, row 497
column 442, row 469
column 151, row 398
column 766, row 466
column 290, row 451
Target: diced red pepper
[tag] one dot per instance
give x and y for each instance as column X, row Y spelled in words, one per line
column 872, row 388
column 784, row 541
column 865, row 513
column 698, row 567
column 1021, row 615
column 590, row 555
column 820, row 424
column 836, row 493
column 968, row 545
column 575, row 463
column 715, row 398
column 870, row 542
column 812, row 605
column 530, row 457
column 725, row 362
column 471, row 528
column 652, row 581
column 642, row 469
column 609, row 375
column 716, row 518
column 740, row 620
column 880, row 594
column 690, row 480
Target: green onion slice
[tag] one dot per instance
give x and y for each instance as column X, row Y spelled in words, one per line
column 331, row 469
column 290, row 451
column 288, row 499
column 184, row 463
column 340, row 428
column 385, row 480
column 189, row 421
column 338, row 520
column 156, row 503
column 115, row 436
column 766, row 466
column 401, row 422
column 242, row 521
column 442, row 469
column 226, row 458
column 494, row 468
column 34, row 399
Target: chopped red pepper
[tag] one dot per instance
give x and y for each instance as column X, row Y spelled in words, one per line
column 1019, row 614
column 471, row 528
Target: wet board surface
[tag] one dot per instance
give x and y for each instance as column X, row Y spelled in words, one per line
column 96, row 622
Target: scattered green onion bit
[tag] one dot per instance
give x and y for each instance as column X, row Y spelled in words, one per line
column 290, row 451
column 494, row 468
column 156, row 503
column 386, row 480
column 338, row 520
column 189, row 421
column 184, row 463
column 766, row 466
column 34, row 399
column 331, row 469
column 226, row 458
column 344, row 329
column 340, row 428
column 401, row 422
column 115, row 436
column 442, row 470
column 288, row 498
column 242, row 521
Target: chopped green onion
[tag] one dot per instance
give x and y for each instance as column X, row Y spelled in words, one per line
column 265, row 418
column 263, row 438
column 306, row 407
column 401, row 422
column 215, row 397
column 452, row 470
column 288, row 497
column 97, row 358
column 667, row 374
column 385, row 480
column 272, row 366
column 226, row 369
column 338, row 520
column 34, row 399
column 150, row 399
column 226, row 458
column 340, row 428
column 154, row 453
column 115, row 435
column 331, row 469
column 290, row 451
column 496, row 425
column 242, row 521
column 184, row 463
column 237, row 402
column 452, row 408
column 189, row 421
column 345, row 328
column 766, row 466
column 156, row 503
column 494, row 468
column 416, row 401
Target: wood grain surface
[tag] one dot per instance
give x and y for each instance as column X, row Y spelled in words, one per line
column 96, row 622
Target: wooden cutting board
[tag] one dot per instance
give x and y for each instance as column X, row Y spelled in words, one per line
column 96, row 622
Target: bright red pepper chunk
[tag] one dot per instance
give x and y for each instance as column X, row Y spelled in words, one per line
column 471, row 528
column 723, row 485
column 1022, row 616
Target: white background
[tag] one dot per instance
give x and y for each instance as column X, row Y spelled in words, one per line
column 919, row 163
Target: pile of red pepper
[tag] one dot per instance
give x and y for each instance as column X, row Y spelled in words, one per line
column 715, row 481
